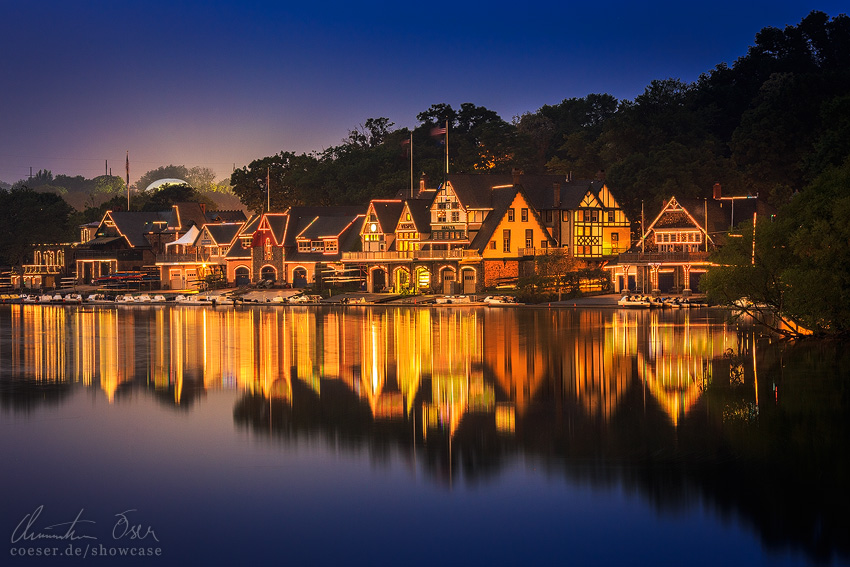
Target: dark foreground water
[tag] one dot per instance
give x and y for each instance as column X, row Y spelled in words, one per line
column 411, row 436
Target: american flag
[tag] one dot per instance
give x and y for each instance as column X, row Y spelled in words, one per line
column 438, row 131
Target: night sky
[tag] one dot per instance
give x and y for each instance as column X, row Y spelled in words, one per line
column 220, row 83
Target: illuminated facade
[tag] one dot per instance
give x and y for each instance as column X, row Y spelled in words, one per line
column 672, row 253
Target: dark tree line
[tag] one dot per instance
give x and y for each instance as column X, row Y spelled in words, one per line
column 768, row 124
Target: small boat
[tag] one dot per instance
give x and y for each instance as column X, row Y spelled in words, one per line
column 29, row 299
column 196, row 299
column 99, row 298
column 305, row 299
column 634, row 302
column 45, row 298
column 453, row 299
column 143, row 298
column 125, row 300
column 73, row 298
column 158, row 299
column 497, row 300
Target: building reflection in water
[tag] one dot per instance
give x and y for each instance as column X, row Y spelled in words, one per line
column 441, row 364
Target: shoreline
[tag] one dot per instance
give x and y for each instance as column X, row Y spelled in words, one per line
column 269, row 297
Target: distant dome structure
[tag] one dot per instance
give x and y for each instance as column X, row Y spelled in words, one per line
column 168, row 181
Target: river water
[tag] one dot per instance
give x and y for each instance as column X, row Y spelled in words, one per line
column 169, row 435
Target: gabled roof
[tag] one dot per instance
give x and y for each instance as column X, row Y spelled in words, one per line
column 325, row 227
column 348, row 241
column 133, row 225
column 186, row 215
column 301, row 217
column 473, row 190
column 275, row 223
column 387, row 212
column 251, row 225
column 541, row 190
column 236, row 252
column 224, row 233
column 504, row 197
column 420, row 214
column 679, row 214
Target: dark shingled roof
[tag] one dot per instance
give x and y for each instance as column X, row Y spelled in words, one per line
column 135, row 224
column 236, row 252
column 474, row 190
column 325, row 227
column 388, row 213
column 420, row 214
column 226, row 216
column 188, row 214
column 223, row 233
column 300, row 217
column 349, row 241
column 251, row 225
column 277, row 222
column 502, row 199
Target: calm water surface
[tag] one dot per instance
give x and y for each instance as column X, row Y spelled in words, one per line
column 417, row 436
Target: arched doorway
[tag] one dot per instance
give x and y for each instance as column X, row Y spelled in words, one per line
column 469, row 280
column 268, row 273
column 447, row 280
column 299, row 277
column 402, row 280
column 379, row 280
column 243, row 276
column 423, row 279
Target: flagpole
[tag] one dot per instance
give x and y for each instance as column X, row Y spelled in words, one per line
column 128, row 180
column 447, row 147
column 268, row 189
column 412, row 195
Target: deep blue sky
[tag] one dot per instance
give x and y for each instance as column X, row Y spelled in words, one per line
column 219, row 83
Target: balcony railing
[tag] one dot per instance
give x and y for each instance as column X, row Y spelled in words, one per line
column 120, row 255
column 412, row 255
column 664, row 257
column 188, row 259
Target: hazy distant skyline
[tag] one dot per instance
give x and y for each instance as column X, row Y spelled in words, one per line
column 220, row 84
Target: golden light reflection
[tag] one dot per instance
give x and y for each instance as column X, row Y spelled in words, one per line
column 448, row 362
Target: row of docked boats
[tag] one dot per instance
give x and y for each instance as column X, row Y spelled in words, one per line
column 491, row 300
column 648, row 301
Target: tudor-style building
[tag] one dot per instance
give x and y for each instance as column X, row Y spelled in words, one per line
column 304, row 244
column 378, row 232
column 672, row 254
column 198, row 255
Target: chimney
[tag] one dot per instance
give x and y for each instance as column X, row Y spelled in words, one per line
column 557, row 194
column 600, row 175
column 423, row 182
column 718, row 193
column 203, row 208
column 516, row 173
